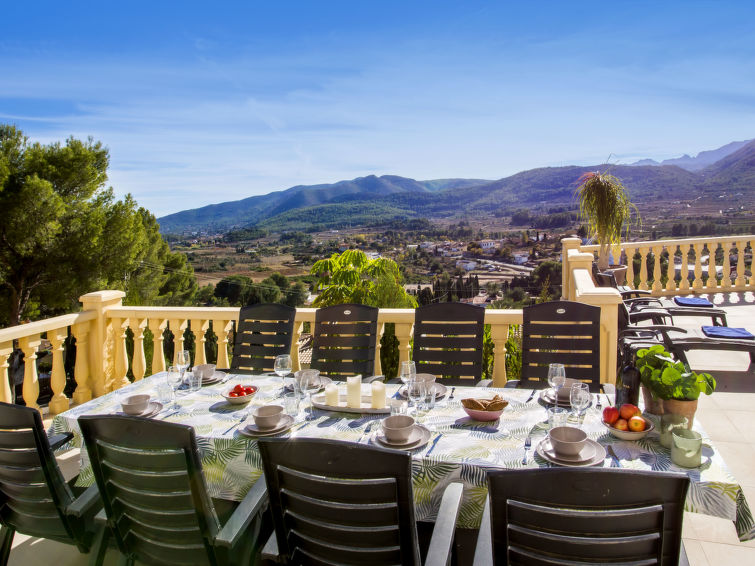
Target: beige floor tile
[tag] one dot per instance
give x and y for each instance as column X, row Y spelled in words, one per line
column 695, row 553
column 734, row 401
column 709, row 529
column 744, row 421
column 718, row 426
column 728, row 554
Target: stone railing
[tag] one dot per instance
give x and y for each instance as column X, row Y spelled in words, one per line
column 726, row 273
column 103, row 360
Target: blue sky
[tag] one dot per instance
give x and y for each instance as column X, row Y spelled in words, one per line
column 202, row 103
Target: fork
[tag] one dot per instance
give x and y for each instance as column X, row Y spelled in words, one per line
column 527, row 446
column 366, row 431
column 598, row 405
column 451, row 396
column 241, row 420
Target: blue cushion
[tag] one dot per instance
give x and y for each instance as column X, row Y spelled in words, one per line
column 692, row 302
column 727, row 332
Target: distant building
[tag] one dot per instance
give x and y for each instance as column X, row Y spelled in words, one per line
column 466, row 265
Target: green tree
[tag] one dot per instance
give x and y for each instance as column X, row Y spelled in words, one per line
column 64, row 234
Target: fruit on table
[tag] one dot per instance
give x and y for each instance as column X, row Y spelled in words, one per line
column 627, row 411
column 610, row 415
column 241, row 391
column 637, row 423
column 621, row 424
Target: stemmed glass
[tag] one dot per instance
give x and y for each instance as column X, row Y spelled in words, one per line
column 416, row 391
column 408, row 372
column 183, row 361
column 282, row 365
column 174, row 378
column 308, row 381
column 579, row 397
column 556, row 378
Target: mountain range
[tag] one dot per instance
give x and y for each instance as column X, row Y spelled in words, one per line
column 372, row 200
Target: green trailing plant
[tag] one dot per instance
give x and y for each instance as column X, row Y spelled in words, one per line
column 605, row 206
column 667, row 378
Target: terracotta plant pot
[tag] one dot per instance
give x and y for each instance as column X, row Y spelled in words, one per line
column 652, row 406
column 619, row 273
column 684, row 408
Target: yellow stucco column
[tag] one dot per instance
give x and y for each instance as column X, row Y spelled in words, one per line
column 101, row 338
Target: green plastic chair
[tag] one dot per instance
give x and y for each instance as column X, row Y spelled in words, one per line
column 155, row 497
column 35, row 500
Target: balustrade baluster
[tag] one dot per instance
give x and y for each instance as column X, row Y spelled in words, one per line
column 222, row 328
column 120, row 377
column 670, row 269
column 712, row 272
column 139, row 363
column 6, row 395
column 177, row 327
column 404, row 335
column 499, row 334
column 59, row 402
column 726, row 271
column 697, row 284
column 684, row 271
column 83, row 391
column 29, row 345
column 199, row 329
column 740, row 281
column 298, row 329
column 157, row 327
column 657, row 286
column 377, row 370
column 630, row 266
column 644, row 268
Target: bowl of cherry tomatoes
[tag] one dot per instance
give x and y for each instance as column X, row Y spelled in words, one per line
column 240, row 394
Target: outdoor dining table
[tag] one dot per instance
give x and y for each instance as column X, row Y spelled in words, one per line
column 460, row 450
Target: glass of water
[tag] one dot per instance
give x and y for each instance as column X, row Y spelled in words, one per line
column 282, row 365
column 579, row 397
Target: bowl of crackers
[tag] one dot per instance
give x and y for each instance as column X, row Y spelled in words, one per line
column 484, row 409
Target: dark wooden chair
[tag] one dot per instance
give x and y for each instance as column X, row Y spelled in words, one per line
column 338, row 502
column 343, row 341
column 448, row 342
column 582, row 516
column 562, row 332
column 263, row 332
column 155, row 497
column 35, row 499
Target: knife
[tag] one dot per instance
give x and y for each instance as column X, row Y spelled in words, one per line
column 615, row 459
column 530, row 397
column 432, row 446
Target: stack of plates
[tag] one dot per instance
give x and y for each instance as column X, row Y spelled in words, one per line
column 284, row 424
column 288, row 383
column 549, row 397
column 216, row 377
column 417, row 439
column 438, row 388
column 592, row 453
column 152, row 409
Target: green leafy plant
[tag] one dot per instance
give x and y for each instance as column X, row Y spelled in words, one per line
column 667, row 378
column 605, row 207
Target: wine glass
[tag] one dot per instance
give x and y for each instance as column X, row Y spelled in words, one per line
column 183, row 361
column 556, row 378
column 174, row 377
column 308, row 381
column 579, row 397
column 408, row 372
column 282, row 365
column 416, row 391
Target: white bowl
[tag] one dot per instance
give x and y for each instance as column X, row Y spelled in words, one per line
column 204, row 371
column 567, row 440
column 241, row 400
column 397, row 428
column 268, row 416
column 630, row 434
column 135, row 404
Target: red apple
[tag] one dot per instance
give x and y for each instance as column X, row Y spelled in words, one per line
column 636, row 424
column 621, row 424
column 610, row 415
column 628, row 410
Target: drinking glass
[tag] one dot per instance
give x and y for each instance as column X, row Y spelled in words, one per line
column 579, row 396
column 174, row 377
column 183, row 361
column 308, row 381
column 556, row 378
column 282, row 365
column 408, row 373
column 416, row 391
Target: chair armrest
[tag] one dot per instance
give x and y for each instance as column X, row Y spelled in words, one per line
column 484, row 383
column 237, row 523
column 85, row 503
column 512, row 384
column 58, row 440
column 483, row 553
column 439, row 552
column 270, row 552
column 715, row 315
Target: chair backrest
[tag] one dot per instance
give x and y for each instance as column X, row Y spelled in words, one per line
column 606, row 280
column 153, row 491
column 339, row 502
column 562, row 332
column 263, row 332
column 576, row 516
column 33, row 493
column 448, row 341
column 343, row 341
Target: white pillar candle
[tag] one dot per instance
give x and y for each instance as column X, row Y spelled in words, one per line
column 378, row 395
column 331, row 395
column 354, row 391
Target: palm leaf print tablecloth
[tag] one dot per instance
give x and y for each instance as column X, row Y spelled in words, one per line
column 463, row 452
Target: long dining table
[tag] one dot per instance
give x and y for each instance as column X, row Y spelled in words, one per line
column 460, row 449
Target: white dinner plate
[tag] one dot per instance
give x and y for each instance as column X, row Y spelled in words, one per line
column 284, row 424
column 545, row 451
column 152, row 409
column 288, row 383
column 547, row 396
column 417, row 438
column 439, row 388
